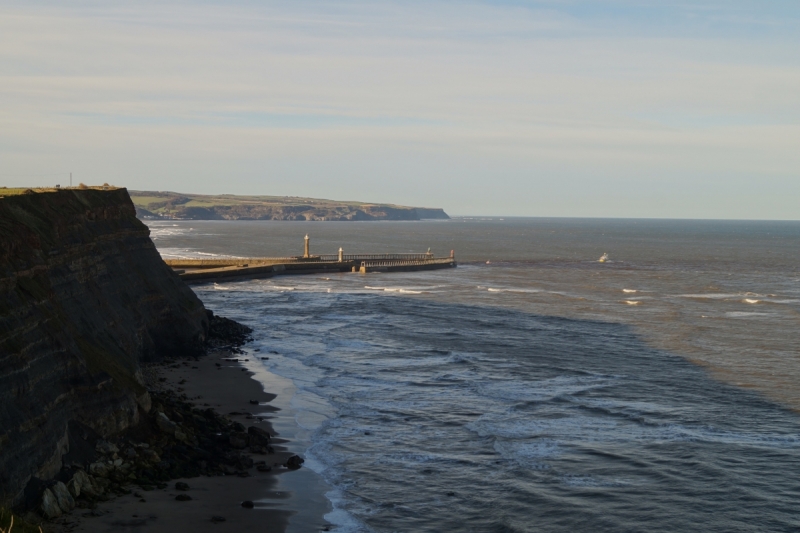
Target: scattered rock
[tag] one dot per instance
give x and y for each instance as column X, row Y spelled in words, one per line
column 49, row 506
column 247, row 504
column 165, row 424
column 239, row 440
column 99, row 469
column 258, row 434
column 106, row 448
column 175, row 440
column 80, row 483
column 217, row 519
column 294, row 461
column 150, row 456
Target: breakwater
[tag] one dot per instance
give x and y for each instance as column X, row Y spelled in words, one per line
column 202, row 270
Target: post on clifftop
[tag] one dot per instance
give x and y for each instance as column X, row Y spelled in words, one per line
column 341, row 254
column 306, row 254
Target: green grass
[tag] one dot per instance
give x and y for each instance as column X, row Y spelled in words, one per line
column 14, row 191
column 147, row 198
column 144, row 201
column 9, row 523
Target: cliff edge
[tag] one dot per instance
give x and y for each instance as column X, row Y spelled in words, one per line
column 84, row 298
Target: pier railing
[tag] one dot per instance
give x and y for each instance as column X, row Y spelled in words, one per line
column 375, row 257
column 404, row 262
column 254, row 261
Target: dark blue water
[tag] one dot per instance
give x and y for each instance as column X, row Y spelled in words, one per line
column 453, row 401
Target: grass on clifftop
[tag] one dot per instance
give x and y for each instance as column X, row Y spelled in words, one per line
column 13, row 524
column 159, row 199
column 14, row 191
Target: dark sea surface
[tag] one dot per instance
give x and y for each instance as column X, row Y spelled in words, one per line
column 543, row 390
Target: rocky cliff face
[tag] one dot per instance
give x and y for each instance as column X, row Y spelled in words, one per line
column 84, row 298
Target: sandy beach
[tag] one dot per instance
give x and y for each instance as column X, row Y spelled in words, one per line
column 228, row 387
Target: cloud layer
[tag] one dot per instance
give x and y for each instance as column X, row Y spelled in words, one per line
column 541, row 109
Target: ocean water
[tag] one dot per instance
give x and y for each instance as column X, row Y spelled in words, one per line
column 534, row 388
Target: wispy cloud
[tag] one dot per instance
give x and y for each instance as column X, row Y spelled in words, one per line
column 542, row 100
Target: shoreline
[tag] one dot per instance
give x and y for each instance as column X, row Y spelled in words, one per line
column 279, row 505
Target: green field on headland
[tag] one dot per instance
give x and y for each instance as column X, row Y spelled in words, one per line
column 151, row 204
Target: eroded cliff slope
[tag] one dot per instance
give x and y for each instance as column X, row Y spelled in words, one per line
column 84, row 298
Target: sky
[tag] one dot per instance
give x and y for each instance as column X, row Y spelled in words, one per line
column 601, row 108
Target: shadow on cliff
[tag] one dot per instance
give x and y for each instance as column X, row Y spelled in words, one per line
column 84, row 298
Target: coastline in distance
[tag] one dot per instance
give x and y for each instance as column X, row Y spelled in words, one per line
column 172, row 205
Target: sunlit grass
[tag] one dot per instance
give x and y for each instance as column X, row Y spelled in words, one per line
column 13, row 524
column 15, row 191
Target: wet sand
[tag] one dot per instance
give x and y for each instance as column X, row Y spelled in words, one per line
column 228, row 388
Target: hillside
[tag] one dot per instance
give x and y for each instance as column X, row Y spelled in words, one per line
column 150, row 204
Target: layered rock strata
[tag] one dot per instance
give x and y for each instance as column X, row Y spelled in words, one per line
column 84, row 299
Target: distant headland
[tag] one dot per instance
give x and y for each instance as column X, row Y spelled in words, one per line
column 173, row 205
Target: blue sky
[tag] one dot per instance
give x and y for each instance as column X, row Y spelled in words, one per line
column 559, row 108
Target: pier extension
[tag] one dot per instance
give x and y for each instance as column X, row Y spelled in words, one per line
column 202, row 270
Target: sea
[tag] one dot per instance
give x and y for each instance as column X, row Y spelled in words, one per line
column 533, row 388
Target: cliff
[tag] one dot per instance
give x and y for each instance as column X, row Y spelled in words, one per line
column 84, row 298
column 151, row 204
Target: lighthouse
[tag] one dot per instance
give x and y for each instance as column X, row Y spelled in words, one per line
column 306, row 252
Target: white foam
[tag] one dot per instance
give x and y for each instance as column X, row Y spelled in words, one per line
column 343, row 521
column 528, row 450
column 591, row 481
column 401, row 290
column 711, row 296
column 460, row 357
column 544, row 389
column 523, row 291
column 632, row 302
column 750, row 301
column 629, row 290
column 579, row 428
